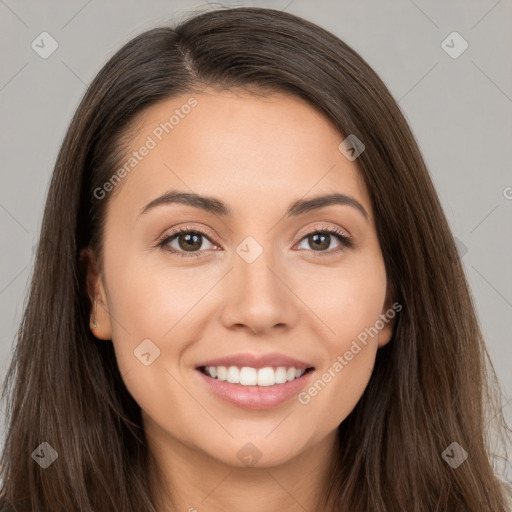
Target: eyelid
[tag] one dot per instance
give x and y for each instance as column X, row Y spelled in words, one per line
column 203, row 230
column 322, row 226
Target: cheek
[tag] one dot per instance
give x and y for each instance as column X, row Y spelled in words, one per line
column 348, row 299
column 349, row 303
column 153, row 311
column 337, row 389
column 350, row 357
column 153, row 300
column 148, row 303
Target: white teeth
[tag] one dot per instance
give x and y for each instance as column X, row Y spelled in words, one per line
column 247, row 376
column 222, row 372
column 281, row 375
column 233, row 375
column 266, row 376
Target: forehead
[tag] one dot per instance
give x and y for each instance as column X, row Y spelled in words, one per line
column 249, row 150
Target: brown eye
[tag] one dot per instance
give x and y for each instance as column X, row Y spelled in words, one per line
column 185, row 241
column 189, row 241
column 319, row 241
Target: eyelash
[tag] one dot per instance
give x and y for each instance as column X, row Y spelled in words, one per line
column 346, row 242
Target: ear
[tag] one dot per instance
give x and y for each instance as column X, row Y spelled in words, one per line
column 97, row 295
column 388, row 317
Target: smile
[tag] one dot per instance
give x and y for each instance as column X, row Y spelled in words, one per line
column 254, row 388
column 248, row 376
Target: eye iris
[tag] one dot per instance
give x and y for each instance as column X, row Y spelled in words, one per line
column 188, row 238
column 322, row 245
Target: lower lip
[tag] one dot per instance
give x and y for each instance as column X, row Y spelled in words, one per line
column 256, row 397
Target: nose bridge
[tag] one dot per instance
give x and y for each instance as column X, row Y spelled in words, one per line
column 258, row 297
column 253, row 263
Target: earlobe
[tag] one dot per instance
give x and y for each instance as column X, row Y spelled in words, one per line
column 100, row 319
column 386, row 332
column 99, row 322
column 388, row 319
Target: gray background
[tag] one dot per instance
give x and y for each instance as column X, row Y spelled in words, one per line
column 459, row 110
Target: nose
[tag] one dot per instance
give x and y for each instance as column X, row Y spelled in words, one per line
column 258, row 297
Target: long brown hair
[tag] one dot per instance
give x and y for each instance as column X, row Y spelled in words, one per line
column 433, row 384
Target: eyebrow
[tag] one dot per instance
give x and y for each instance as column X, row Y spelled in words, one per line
column 215, row 206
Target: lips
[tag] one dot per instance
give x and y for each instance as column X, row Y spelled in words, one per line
column 257, row 361
column 258, row 393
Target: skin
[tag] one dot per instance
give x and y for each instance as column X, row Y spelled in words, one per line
column 258, row 155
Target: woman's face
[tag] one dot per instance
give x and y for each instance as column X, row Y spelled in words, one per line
column 254, row 289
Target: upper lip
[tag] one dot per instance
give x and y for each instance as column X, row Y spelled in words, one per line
column 257, row 361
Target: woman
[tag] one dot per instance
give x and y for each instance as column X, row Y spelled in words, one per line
column 246, row 293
